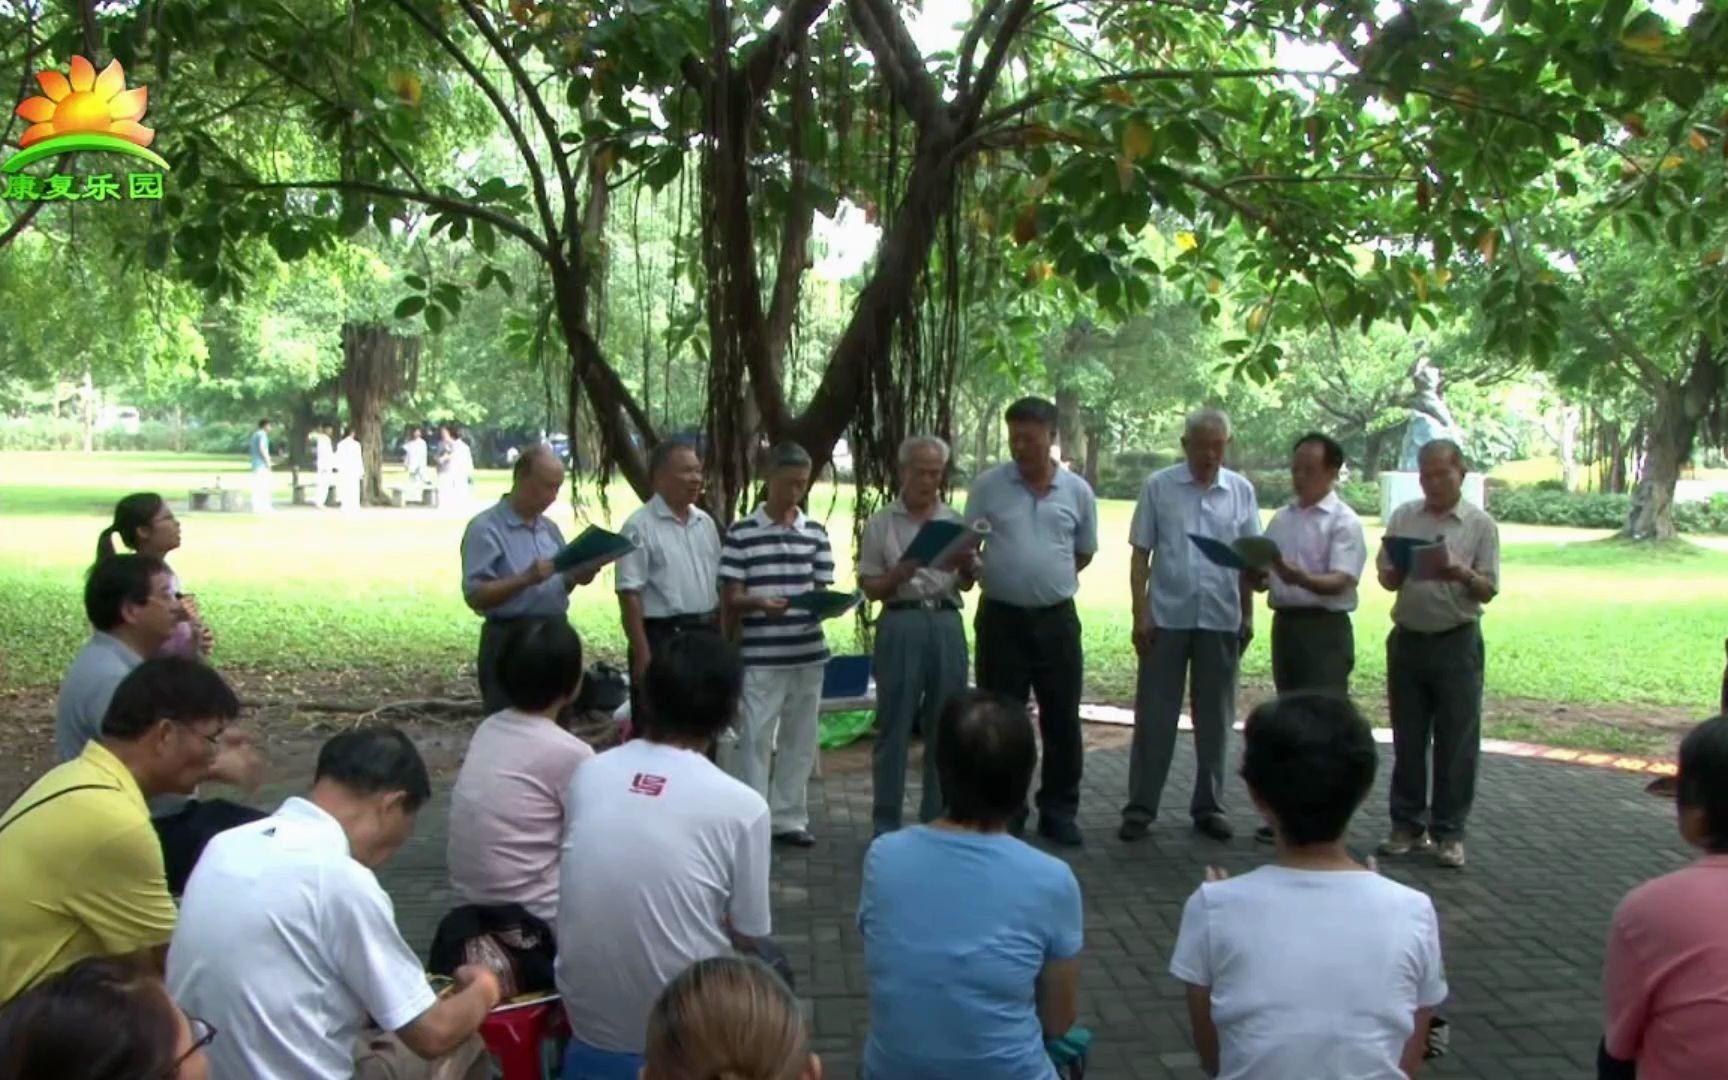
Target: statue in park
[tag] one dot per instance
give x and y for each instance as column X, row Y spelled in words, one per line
column 1430, row 419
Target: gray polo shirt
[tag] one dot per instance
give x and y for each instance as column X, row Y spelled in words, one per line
column 1029, row 557
column 886, row 537
column 675, row 567
column 498, row 544
column 86, row 691
column 1472, row 538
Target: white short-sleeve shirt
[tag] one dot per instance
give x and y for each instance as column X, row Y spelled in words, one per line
column 1267, row 943
column 1325, row 538
column 286, row 945
column 676, row 565
column 1187, row 591
column 662, row 850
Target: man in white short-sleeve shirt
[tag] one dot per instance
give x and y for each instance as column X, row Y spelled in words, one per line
column 287, row 943
column 665, row 861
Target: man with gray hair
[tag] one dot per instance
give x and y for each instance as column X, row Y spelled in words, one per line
column 1434, row 656
column 668, row 585
column 1191, row 617
column 767, row 558
column 920, row 656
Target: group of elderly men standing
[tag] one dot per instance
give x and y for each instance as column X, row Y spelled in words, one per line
column 1192, row 619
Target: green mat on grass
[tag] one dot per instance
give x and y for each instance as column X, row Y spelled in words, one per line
column 845, row 728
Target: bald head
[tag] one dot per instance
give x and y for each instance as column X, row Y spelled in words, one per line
column 536, row 479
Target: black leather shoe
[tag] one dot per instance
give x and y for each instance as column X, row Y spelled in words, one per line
column 800, row 838
column 1059, row 831
column 1214, row 826
column 1131, row 830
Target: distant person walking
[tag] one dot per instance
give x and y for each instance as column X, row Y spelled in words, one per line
column 414, row 457
column 455, row 469
column 258, row 447
column 1434, row 658
column 323, row 465
column 144, row 522
column 350, row 471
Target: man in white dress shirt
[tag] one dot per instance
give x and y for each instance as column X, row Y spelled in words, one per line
column 350, row 471
column 669, row 585
column 1191, row 619
column 1313, row 582
column 323, row 466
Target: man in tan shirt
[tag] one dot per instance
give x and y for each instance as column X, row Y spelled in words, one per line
column 1434, row 657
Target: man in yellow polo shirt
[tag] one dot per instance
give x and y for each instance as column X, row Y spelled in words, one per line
column 81, row 869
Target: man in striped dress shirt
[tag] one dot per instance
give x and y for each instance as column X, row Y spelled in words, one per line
column 772, row 555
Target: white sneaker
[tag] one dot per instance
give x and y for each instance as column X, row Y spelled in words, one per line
column 1403, row 842
column 1450, row 853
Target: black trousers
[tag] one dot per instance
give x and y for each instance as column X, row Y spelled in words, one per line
column 1434, row 689
column 184, row 834
column 1312, row 649
column 1022, row 651
column 659, row 632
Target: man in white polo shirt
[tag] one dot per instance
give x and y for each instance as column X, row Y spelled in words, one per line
column 665, row 860
column 287, row 944
column 772, row 555
column 667, row 586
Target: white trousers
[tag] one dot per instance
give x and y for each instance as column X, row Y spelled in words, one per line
column 321, row 485
column 776, row 745
column 348, row 492
column 262, row 485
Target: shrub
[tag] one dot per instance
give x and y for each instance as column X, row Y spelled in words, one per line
column 1362, row 496
column 1579, row 510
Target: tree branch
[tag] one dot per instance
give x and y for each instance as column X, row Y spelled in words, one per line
column 899, row 61
column 21, row 222
column 969, row 43
column 794, row 257
column 1628, row 348
column 1333, row 178
column 442, row 203
column 764, row 61
column 530, row 160
column 1041, row 97
column 1012, row 20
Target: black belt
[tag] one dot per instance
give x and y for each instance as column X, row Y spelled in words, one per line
column 683, row 622
column 921, row 605
column 1060, row 605
column 1435, row 633
column 1308, row 612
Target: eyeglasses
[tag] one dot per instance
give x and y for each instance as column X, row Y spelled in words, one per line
column 203, row 1034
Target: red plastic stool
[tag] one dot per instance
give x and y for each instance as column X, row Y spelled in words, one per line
column 515, row 1036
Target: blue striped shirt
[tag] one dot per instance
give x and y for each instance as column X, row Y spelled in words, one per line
column 771, row 559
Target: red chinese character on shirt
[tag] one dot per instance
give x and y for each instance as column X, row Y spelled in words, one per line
column 646, row 784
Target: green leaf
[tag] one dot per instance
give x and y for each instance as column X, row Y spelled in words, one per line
column 1566, row 182
column 1683, row 86
column 156, row 250
column 664, row 169
column 435, row 319
column 450, row 295
column 485, row 239
column 410, row 306
column 504, row 282
column 415, row 282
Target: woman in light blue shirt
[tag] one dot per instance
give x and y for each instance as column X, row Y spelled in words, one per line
column 971, row 937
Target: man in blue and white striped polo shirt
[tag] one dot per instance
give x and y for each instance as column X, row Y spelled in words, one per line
column 774, row 554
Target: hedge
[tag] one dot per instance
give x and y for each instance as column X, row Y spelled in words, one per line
column 1589, row 510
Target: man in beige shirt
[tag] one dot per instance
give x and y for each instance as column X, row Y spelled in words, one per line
column 920, row 656
column 1434, row 657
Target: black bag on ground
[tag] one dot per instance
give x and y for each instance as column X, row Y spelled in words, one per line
column 604, row 689
column 492, row 934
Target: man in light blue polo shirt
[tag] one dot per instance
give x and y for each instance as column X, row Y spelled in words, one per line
column 1043, row 532
column 1189, row 614
column 507, row 571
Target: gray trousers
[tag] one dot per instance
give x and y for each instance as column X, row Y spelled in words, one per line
column 1312, row 649
column 1434, row 690
column 1213, row 656
column 920, row 662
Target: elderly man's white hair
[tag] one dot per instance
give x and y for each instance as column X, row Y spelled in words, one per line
column 914, row 443
column 1207, row 419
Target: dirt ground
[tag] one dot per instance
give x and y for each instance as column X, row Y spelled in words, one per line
column 293, row 715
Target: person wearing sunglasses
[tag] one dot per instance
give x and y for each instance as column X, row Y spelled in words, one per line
column 45, row 1033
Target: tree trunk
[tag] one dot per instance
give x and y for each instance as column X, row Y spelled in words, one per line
column 1569, row 422
column 377, row 366
column 1094, row 443
column 1069, row 433
column 1371, row 454
column 87, row 399
column 1681, row 406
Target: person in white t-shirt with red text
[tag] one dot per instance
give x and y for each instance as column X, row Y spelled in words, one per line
column 1253, row 949
column 665, row 861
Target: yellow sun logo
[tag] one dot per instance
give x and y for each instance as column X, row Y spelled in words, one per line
column 84, row 111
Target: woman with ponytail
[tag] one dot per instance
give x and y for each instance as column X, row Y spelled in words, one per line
column 728, row 1018
column 144, row 523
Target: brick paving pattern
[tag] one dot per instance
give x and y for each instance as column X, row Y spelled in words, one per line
column 1552, row 849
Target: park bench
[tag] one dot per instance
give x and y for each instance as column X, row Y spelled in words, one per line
column 229, row 500
column 416, row 494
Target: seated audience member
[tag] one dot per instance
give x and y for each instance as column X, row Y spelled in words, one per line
column 131, row 603
column 80, row 867
column 728, row 1016
column 665, row 862
column 507, row 811
column 288, row 944
column 971, row 937
column 1255, row 949
column 146, row 524
column 1667, row 968
column 46, row 1032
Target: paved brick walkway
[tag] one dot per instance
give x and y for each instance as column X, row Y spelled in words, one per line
column 1553, row 848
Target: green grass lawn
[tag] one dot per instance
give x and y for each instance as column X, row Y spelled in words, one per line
column 1579, row 622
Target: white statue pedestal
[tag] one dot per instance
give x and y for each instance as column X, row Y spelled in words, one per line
column 1398, row 488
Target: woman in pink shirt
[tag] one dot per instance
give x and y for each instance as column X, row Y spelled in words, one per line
column 144, row 523
column 1667, row 968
